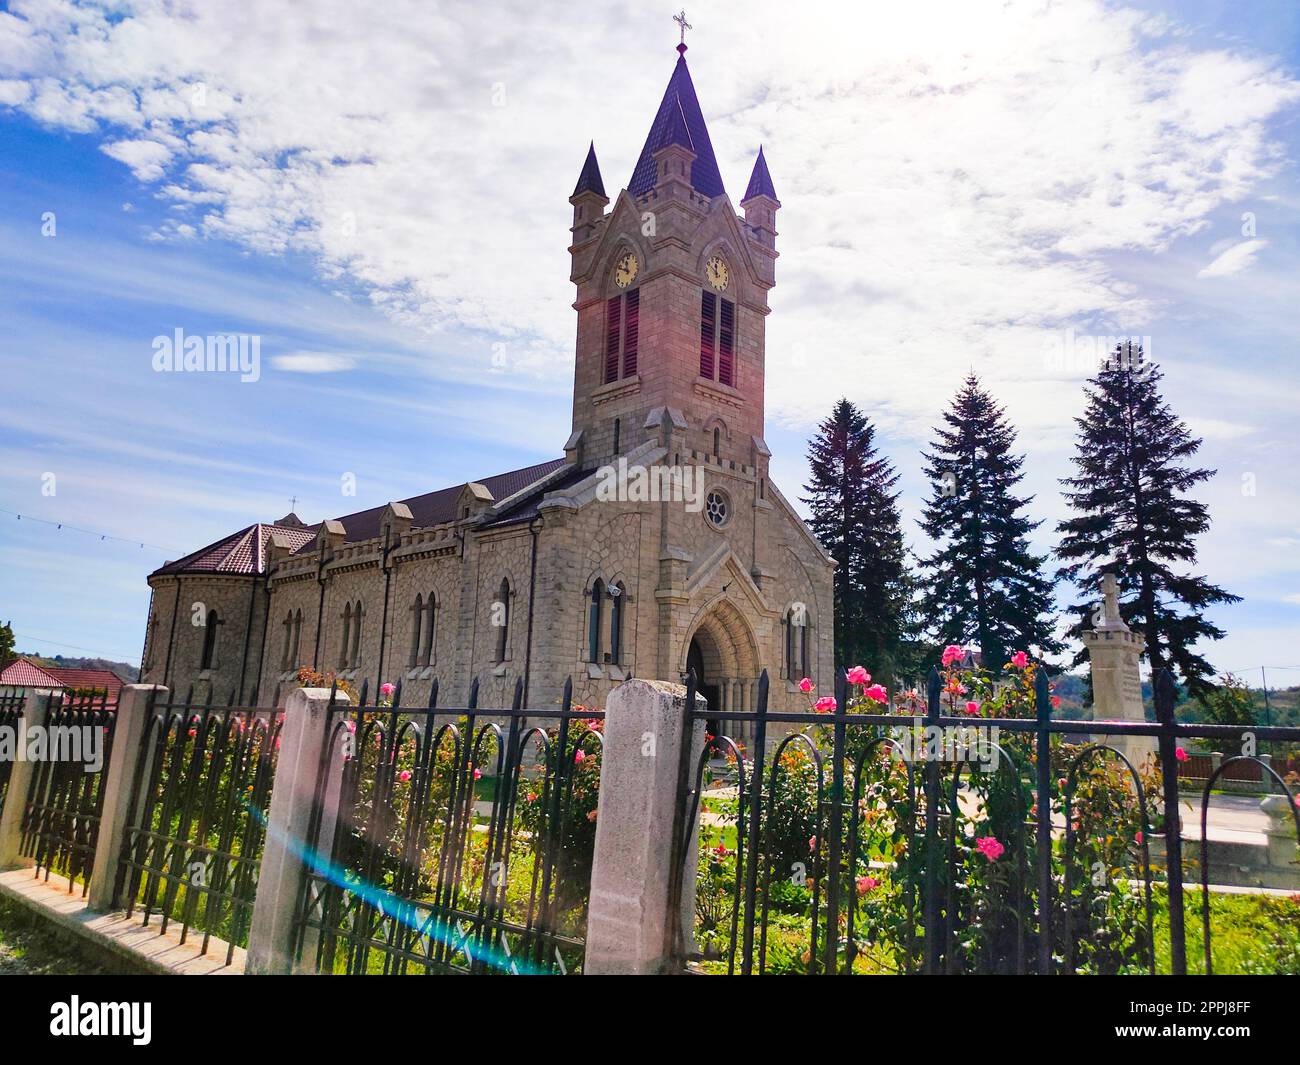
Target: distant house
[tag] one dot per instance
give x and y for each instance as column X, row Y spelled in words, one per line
column 23, row 673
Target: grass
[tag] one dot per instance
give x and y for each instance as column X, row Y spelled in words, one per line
column 28, row 948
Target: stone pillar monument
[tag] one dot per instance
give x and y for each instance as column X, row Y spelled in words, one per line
column 1113, row 649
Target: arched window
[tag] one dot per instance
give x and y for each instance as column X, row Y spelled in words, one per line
column 618, row 595
column 287, row 647
column 209, row 658
column 717, row 441
column 347, row 637
column 593, row 620
column 622, row 330
column 417, row 619
column 427, row 653
column 357, row 615
column 502, row 617
column 796, row 642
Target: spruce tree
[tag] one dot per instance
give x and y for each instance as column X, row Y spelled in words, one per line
column 1132, row 514
column 983, row 587
column 855, row 516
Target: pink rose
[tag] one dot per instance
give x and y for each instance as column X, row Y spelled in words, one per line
column 806, row 685
column 858, row 675
column 972, row 708
column 877, row 693
column 952, row 653
column 387, row 689
column 1137, row 837
column 824, row 705
column 990, row 848
column 867, row 883
column 1056, row 702
column 1020, row 660
column 477, row 773
column 404, row 775
column 812, row 843
column 579, row 756
column 1181, row 755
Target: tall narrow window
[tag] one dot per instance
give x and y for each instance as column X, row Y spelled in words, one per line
column 790, row 665
column 347, row 637
column 209, row 658
column 618, row 594
column 618, row 433
column 717, row 440
column 708, row 327
column 430, row 631
column 613, row 336
column 502, row 618
column 357, row 615
column 631, row 331
column 804, row 671
column 726, row 342
column 417, row 620
column 593, row 620
column 288, row 641
column 294, row 660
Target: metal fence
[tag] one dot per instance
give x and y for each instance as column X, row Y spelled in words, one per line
column 840, row 850
column 11, row 714
column 462, row 842
column 65, row 800
column 197, row 822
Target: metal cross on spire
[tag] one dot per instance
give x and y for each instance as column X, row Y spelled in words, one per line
column 680, row 19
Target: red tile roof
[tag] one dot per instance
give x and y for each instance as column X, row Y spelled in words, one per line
column 24, row 674
column 245, row 551
column 88, row 678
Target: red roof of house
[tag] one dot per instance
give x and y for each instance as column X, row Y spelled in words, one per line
column 245, row 551
column 23, row 674
column 88, row 678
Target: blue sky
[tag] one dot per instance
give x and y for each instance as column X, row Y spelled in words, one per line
column 383, row 200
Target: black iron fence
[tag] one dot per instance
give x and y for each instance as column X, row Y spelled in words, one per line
column 885, row 842
column 11, row 714
column 197, row 819
column 451, row 839
column 66, row 796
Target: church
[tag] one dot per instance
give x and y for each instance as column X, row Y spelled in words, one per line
column 562, row 569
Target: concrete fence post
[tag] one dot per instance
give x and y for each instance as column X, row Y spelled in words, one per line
column 133, row 704
column 35, row 708
column 629, row 919
column 284, row 866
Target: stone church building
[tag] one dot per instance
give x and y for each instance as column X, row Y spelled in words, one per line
column 657, row 543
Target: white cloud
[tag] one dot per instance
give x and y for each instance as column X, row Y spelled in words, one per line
column 313, row 362
column 1234, row 259
column 954, row 175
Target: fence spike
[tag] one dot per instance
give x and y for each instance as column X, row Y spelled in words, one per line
column 397, row 694
column 433, row 694
column 473, row 694
column 566, row 700
column 841, row 691
column 1043, row 695
column 518, row 700
column 365, row 691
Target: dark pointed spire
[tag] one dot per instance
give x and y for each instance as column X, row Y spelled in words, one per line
column 760, row 181
column 679, row 121
column 589, row 179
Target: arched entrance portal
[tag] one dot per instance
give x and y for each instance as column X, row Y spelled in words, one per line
column 724, row 655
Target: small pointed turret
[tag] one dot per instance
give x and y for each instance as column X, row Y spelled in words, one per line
column 589, row 180
column 588, row 199
column 760, row 181
column 760, row 205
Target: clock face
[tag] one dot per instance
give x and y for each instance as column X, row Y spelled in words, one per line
column 717, row 273
column 625, row 270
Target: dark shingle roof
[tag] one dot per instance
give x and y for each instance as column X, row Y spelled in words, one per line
column 245, row 551
column 589, row 179
column 760, row 181
column 679, row 121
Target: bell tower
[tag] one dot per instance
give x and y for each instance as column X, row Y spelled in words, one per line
column 672, row 299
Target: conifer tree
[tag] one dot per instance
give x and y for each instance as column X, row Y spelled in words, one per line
column 983, row 586
column 855, row 516
column 1132, row 514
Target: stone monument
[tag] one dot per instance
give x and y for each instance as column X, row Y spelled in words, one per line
column 1113, row 650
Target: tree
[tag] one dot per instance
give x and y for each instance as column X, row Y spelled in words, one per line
column 1132, row 514
column 1231, row 703
column 855, row 516
column 982, row 586
column 6, row 642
